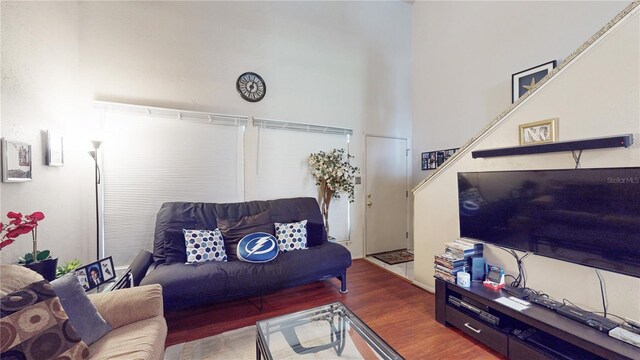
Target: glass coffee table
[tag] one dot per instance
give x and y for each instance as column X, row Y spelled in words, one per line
column 330, row 331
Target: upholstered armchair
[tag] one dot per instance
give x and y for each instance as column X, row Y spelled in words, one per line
column 138, row 327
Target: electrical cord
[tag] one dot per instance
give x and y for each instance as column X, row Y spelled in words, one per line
column 603, row 292
column 577, row 158
column 521, row 279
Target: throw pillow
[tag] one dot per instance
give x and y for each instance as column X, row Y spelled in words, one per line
column 257, row 248
column 82, row 313
column 204, row 245
column 292, row 236
column 34, row 325
column 235, row 229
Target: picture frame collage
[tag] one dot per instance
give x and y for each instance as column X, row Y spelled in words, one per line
column 431, row 160
column 96, row 273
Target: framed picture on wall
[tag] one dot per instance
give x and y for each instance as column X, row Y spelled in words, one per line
column 423, row 160
column 55, row 149
column 539, row 132
column 523, row 81
column 431, row 160
column 16, row 161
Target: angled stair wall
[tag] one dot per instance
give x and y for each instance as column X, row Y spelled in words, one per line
column 595, row 92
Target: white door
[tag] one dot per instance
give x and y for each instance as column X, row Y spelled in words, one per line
column 386, row 196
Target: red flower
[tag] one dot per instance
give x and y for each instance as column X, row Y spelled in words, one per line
column 18, row 226
column 17, row 218
column 20, row 230
column 6, row 243
column 35, row 217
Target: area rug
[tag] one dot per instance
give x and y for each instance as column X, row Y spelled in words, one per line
column 236, row 344
column 394, row 257
column 240, row 344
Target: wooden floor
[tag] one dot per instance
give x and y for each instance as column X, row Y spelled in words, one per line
column 401, row 313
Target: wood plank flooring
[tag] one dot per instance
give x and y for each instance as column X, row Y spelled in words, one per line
column 401, row 313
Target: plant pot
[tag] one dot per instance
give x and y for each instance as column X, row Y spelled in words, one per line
column 46, row 268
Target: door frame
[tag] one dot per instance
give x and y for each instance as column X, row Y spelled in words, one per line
column 366, row 181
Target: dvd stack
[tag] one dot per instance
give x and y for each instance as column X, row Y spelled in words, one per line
column 456, row 258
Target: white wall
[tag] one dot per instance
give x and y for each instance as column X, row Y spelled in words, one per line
column 464, row 53
column 39, row 93
column 344, row 64
column 596, row 95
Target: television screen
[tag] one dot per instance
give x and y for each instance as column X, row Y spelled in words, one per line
column 585, row 216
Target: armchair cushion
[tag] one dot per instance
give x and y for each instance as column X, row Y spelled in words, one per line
column 82, row 313
column 15, row 277
column 35, row 326
column 125, row 306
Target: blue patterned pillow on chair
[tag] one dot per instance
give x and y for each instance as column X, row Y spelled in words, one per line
column 291, row 236
column 204, row 245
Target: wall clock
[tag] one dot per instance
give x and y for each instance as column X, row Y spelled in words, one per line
column 251, row 87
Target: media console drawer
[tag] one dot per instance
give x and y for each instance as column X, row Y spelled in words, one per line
column 478, row 330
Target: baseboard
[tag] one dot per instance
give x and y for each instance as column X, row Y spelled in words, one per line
column 430, row 289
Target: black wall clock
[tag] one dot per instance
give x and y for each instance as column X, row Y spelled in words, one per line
column 251, row 87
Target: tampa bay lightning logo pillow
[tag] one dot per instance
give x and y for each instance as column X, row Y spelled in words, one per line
column 257, row 248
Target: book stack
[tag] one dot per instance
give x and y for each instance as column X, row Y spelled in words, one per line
column 455, row 258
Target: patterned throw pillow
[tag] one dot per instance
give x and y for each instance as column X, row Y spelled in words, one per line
column 292, row 236
column 204, row 245
column 33, row 325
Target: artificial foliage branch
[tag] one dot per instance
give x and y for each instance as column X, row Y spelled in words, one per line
column 334, row 177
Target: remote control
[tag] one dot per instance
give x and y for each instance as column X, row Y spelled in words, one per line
column 634, row 323
column 630, row 328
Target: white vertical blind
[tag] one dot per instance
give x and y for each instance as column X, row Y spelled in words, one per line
column 159, row 159
column 283, row 170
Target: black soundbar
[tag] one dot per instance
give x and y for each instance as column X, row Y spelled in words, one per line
column 597, row 322
column 597, row 143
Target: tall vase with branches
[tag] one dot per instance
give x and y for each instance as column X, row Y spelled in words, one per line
column 334, row 176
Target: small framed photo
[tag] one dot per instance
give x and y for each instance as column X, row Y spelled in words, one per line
column 55, row 149
column 449, row 153
column 432, row 160
column 16, row 161
column 424, row 158
column 439, row 158
column 82, row 278
column 523, row 81
column 539, row 132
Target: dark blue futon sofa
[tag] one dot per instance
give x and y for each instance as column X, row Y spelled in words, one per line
column 189, row 285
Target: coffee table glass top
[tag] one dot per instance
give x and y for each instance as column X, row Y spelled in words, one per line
column 327, row 332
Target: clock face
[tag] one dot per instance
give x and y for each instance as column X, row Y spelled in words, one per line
column 251, row 87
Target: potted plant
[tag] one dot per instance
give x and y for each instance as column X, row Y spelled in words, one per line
column 334, row 176
column 38, row 261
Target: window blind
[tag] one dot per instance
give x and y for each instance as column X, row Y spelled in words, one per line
column 150, row 159
column 283, row 170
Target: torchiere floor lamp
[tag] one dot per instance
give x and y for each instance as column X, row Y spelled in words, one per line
column 94, row 155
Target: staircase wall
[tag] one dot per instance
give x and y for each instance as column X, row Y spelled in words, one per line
column 596, row 94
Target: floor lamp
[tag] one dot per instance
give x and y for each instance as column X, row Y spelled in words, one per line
column 94, row 154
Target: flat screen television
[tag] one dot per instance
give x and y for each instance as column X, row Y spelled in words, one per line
column 585, row 216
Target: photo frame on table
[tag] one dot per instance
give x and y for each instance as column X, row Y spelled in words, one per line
column 539, row 132
column 96, row 273
column 55, row 149
column 523, row 81
column 16, row 161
